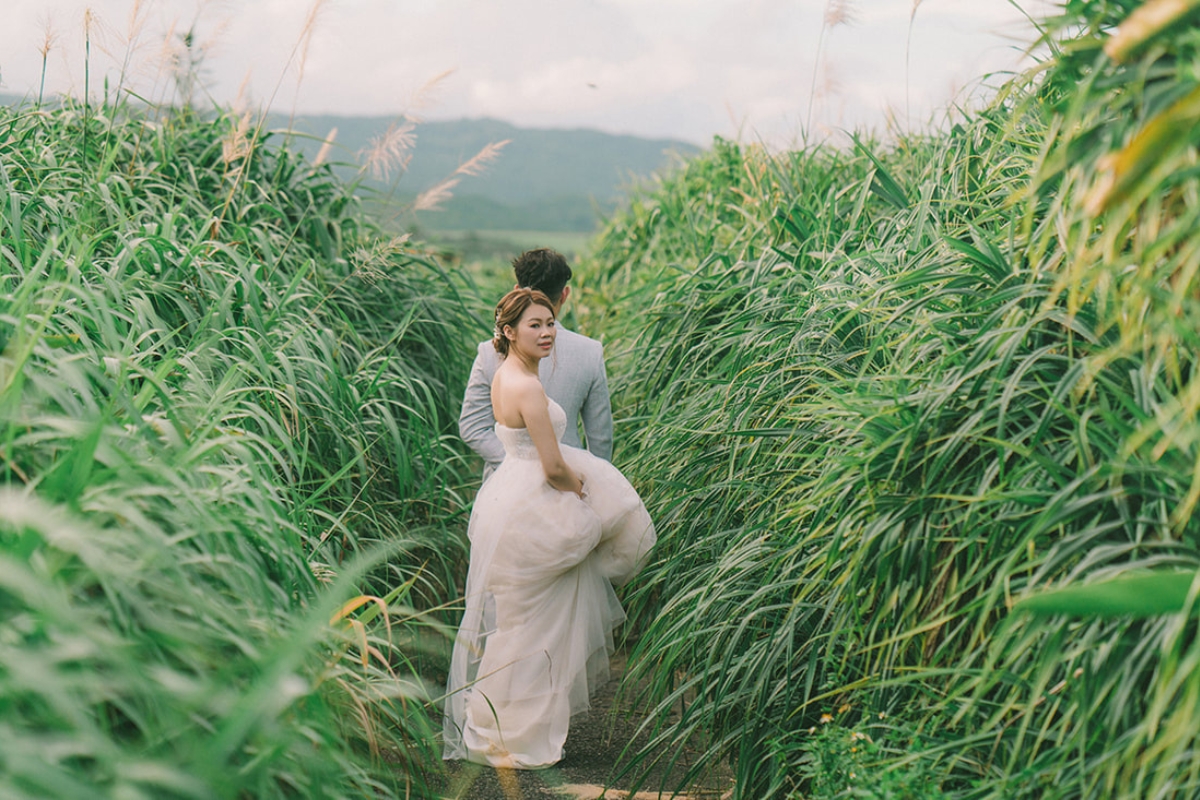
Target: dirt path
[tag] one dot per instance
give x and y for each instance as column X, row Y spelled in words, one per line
column 593, row 749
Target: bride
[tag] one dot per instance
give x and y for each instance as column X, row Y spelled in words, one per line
column 551, row 531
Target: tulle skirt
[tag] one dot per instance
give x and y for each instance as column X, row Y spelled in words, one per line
column 536, row 634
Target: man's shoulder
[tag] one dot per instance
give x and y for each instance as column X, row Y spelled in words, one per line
column 486, row 357
column 578, row 342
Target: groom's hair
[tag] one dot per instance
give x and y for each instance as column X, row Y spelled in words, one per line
column 543, row 269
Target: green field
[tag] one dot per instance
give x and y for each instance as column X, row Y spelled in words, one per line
column 508, row 244
column 918, row 422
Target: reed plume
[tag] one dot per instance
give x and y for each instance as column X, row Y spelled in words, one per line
column 391, row 150
column 478, row 162
column 49, row 39
column 432, row 198
column 369, row 262
column 237, row 143
column 839, row 12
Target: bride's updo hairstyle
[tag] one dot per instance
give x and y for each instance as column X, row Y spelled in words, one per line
column 509, row 311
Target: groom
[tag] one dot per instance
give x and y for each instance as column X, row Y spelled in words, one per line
column 573, row 374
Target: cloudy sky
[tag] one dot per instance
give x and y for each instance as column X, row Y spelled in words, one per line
column 685, row 69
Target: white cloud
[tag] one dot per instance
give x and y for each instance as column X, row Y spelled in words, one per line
column 683, row 68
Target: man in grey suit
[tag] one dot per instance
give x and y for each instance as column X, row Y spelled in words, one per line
column 573, row 374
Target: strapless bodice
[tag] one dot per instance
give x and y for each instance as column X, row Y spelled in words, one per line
column 517, row 441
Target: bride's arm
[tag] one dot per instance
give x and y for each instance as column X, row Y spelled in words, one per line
column 536, row 413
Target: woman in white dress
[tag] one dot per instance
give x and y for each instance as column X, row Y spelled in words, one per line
column 551, row 531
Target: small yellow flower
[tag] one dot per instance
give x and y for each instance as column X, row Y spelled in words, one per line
column 826, row 718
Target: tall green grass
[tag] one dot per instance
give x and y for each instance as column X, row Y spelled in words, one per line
column 227, row 411
column 876, row 395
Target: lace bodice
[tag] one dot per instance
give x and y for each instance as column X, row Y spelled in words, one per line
column 519, row 444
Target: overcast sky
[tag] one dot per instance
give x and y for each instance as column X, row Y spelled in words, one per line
column 685, row 69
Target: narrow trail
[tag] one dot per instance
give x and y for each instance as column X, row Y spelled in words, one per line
column 593, row 747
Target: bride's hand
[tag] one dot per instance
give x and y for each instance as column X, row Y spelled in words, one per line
column 582, row 487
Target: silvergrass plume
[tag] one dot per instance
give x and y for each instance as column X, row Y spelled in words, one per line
column 236, row 144
column 839, row 12
column 370, row 262
column 390, row 151
column 49, row 38
column 424, row 95
column 479, row 162
column 432, row 198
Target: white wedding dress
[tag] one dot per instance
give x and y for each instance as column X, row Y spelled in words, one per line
column 536, row 634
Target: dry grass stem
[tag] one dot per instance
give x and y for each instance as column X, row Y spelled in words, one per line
column 306, row 34
column 135, row 23
column 326, row 147
column 907, row 60
column 103, row 36
column 391, row 150
column 241, row 101
column 168, row 51
column 209, row 45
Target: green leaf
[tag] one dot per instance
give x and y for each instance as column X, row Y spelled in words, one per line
column 882, row 182
column 1142, row 595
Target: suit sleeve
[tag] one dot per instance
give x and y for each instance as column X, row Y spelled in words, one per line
column 476, row 425
column 597, row 412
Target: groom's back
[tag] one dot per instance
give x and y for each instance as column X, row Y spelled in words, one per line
column 570, row 374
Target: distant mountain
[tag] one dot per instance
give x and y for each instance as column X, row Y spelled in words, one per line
column 543, row 179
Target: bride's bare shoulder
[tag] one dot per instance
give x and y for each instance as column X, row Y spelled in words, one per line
column 516, row 382
column 515, row 394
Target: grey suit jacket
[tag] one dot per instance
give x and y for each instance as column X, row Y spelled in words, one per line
column 573, row 376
